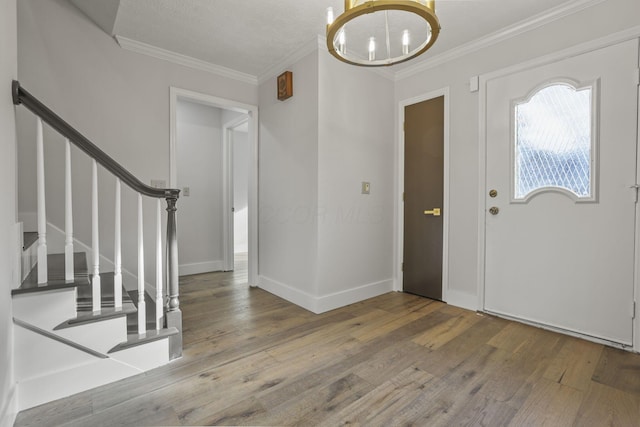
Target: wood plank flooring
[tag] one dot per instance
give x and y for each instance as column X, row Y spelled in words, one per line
column 251, row 358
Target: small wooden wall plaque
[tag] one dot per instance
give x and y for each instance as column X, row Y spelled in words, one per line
column 285, row 85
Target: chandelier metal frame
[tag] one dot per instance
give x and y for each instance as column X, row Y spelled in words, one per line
column 423, row 8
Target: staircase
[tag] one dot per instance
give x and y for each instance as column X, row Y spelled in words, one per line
column 77, row 327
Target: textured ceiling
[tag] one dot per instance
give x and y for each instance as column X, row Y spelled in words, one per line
column 252, row 36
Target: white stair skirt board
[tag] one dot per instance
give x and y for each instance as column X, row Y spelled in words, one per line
column 38, row 355
column 9, row 406
column 56, row 385
column 100, row 336
column 146, row 356
column 200, row 267
column 45, row 309
column 324, row 303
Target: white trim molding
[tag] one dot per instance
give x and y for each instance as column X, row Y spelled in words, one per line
column 227, row 104
column 324, row 303
column 335, row 300
column 200, row 267
column 318, row 44
column 9, row 407
column 399, row 203
column 289, row 293
column 503, row 34
column 184, row 60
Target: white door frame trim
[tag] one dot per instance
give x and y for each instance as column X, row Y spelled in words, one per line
column 399, row 203
column 590, row 46
column 252, row 111
column 227, row 191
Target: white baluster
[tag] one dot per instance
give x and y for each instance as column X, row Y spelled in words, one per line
column 117, row 256
column 68, row 218
column 95, row 235
column 159, row 291
column 42, row 211
column 142, row 315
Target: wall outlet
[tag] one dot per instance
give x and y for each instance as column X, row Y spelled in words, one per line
column 366, row 188
column 186, row 191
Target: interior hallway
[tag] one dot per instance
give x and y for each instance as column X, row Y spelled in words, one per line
column 251, row 358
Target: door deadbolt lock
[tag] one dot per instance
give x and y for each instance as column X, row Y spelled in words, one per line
column 493, row 193
column 493, row 210
column 434, row 212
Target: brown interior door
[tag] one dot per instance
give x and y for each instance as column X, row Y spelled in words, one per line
column 423, row 197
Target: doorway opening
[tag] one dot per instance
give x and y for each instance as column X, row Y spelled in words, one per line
column 236, row 174
column 204, row 132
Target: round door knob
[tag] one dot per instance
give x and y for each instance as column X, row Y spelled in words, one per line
column 493, row 210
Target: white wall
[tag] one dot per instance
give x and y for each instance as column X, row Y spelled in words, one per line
column 597, row 21
column 288, row 191
column 356, row 144
column 323, row 244
column 117, row 98
column 8, row 72
column 240, row 191
column 199, row 167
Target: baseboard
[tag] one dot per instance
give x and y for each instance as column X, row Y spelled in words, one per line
column 200, row 267
column 293, row 295
column 462, row 300
column 9, row 409
column 328, row 302
column 350, row 296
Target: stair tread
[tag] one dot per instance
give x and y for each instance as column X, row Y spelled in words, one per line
column 56, row 276
column 134, row 340
column 84, row 304
column 28, row 239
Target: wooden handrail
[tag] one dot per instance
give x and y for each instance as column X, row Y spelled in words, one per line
column 173, row 315
column 21, row 96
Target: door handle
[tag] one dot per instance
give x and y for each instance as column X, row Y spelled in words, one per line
column 434, row 212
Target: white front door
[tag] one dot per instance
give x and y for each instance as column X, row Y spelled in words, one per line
column 560, row 225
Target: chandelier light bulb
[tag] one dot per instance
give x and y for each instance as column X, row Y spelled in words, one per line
column 342, row 42
column 329, row 16
column 405, row 42
column 372, row 48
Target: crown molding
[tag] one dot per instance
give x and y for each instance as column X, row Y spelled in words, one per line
column 317, row 44
column 276, row 69
column 184, row 60
column 506, row 33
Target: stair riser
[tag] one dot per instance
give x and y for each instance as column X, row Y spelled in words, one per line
column 45, row 309
column 100, row 336
column 146, row 356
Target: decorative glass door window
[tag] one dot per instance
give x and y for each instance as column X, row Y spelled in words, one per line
column 555, row 142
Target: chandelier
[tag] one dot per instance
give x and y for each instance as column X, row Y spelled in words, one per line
column 378, row 33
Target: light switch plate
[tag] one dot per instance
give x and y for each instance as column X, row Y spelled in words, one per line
column 366, row 188
column 186, row 191
column 158, row 183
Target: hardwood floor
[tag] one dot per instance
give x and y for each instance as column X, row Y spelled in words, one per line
column 251, row 358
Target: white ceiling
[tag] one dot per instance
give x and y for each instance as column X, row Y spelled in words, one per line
column 252, row 36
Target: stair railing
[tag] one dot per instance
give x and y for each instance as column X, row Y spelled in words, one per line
column 168, row 312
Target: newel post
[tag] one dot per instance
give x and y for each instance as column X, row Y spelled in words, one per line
column 173, row 314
